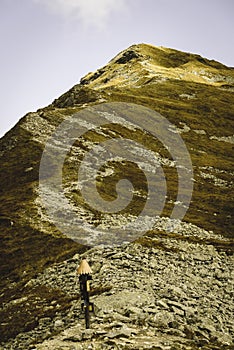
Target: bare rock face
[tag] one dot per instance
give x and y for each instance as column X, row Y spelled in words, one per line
column 166, row 289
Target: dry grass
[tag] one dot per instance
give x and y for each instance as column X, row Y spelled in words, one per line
column 26, row 250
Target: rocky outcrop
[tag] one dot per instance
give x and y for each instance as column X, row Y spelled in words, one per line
column 145, row 298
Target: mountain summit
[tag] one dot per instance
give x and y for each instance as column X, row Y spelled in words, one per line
column 147, row 64
column 195, row 96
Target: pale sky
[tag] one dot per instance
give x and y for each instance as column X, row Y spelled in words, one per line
column 48, row 45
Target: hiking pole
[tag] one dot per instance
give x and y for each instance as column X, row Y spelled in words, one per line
column 84, row 272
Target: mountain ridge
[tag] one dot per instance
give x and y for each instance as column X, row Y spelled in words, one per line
column 193, row 93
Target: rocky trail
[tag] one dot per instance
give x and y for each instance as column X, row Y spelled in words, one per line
column 145, row 298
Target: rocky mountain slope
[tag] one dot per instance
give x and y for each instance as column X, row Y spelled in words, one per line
column 167, row 289
column 145, row 298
